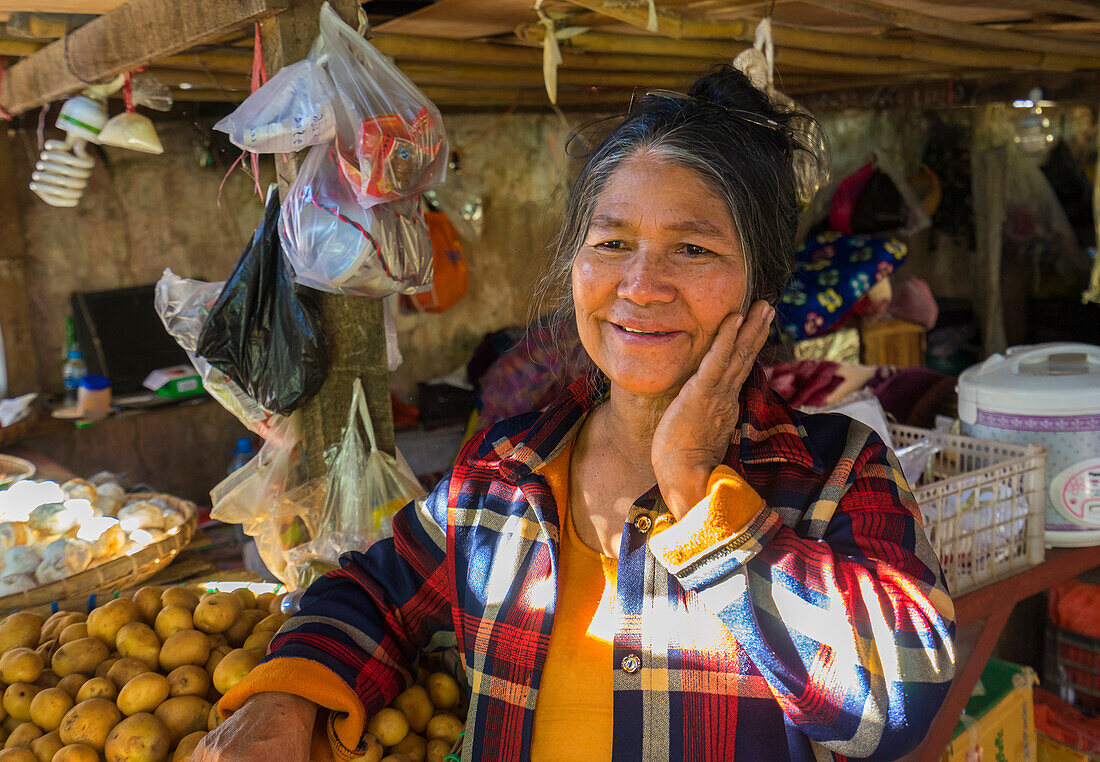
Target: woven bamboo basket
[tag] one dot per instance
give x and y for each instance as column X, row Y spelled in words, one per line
column 13, row 469
column 18, row 430
column 118, row 573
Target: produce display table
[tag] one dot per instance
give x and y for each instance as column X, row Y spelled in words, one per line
column 980, row 618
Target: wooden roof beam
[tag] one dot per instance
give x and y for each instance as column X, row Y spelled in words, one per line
column 130, row 36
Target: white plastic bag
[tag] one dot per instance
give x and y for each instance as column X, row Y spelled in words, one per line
column 334, row 244
column 390, row 136
column 365, row 488
column 183, row 304
column 291, row 112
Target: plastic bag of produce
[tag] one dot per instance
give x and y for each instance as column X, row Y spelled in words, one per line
column 334, row 244
column 291, row 112
column 183, row 305
column 365, row 488
column 262, row 333
column 390, row 136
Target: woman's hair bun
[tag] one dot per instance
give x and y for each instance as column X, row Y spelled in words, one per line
column 729, row 87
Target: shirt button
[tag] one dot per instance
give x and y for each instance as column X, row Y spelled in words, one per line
column 643, row 523
column 631, row 663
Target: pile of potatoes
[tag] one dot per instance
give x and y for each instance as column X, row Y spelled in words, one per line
column 421, row 725
column 135, row 680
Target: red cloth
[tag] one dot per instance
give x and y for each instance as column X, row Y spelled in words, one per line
column 1076, row 606
column 807, row 383
column 1056, row 719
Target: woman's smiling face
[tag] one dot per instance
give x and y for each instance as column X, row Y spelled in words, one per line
column 661, row 267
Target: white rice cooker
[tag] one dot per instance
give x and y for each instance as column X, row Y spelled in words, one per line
column 1046, row 394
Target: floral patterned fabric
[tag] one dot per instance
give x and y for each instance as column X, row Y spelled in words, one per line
column 832, row 272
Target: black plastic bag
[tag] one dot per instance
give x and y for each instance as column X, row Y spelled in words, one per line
column 261, row 332
column 880, row 207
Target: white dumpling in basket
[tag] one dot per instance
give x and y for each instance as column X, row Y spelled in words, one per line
column 80, row 488
column 63, row 558
column 143, row 514
column 173, row 519
column 22, row 559
column 105, row 535
column 10, row 584
column 14, row 533
column 109, row 498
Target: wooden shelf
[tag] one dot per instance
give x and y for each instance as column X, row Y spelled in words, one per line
column 980, row 618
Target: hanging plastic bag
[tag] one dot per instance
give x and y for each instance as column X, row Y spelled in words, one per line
column 334, row 244
column 291, row 112
column 183, row 305
column 261, row 333
column 450, row 279
column 365, row 488
column 391, row 139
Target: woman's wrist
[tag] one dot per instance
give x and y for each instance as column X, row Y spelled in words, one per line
column 683, row 486
column 287, row 707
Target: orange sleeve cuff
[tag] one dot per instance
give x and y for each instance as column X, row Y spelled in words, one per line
column 315, row 682
column 729, row 507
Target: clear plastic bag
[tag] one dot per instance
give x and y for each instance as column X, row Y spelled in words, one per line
column 291, row 112
column 391, row 138
column 365, row 489
column 334, row 244
column 183, row 305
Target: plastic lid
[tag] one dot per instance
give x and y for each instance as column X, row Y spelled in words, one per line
column 244, row 446
column 75, row 354
column 1042, row 379
column 95, row 383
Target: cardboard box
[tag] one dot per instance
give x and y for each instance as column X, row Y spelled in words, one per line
column 175, row 383
column 999, row 724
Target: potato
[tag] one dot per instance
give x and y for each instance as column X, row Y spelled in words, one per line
column 76, row 752
column 373, row 751
column 74, row 631
column 48, row 707
column 137, row 640
column 139, row 738
column 18, row 754
column 105, row 665
column 180, row 596
column 246, row 597
column 445, row 726
column 46, row 650
column 184, row 647
column 263, row 600
column 125, row 670
column 44, row 747
column 89, row 723
column 213, row 718
column 417, row 707
column 397, row 758
column 82, row 656
column 57, row 622
column 258, row 642
column 17, row 700
column 105, row 622
column 216, row 639
column 184, row 715
column 216, row 656
column 172, row 619
column 143, row 693
column 97, row 687
column 188, row 680
column 444, row 691
column 23, row 735
column 239, row 631
column 148, row 600
column 10, row 724
column 48, row 679
column 71, row 683
column 21, row 629
column 217, row 612
column 20, row 665
column 412, row 746
column 437, row 750
column 276, row 604
column 271, row 623
column 187, row 746
column 232, row 669
column 389, row 726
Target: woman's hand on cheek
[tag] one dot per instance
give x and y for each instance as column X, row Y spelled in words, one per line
column 695, row 431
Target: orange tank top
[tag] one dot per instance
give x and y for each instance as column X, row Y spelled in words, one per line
column 575, row 703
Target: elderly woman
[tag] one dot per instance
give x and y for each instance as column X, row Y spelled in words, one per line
column 667, row 563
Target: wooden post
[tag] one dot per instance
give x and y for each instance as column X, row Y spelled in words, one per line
column 15, row 319
column 353, row 325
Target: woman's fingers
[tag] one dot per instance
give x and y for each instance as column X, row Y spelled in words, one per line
column 718, row 358
column 750, row 340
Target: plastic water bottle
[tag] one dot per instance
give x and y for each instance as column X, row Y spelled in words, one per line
column 242, row 454
column 75, row 369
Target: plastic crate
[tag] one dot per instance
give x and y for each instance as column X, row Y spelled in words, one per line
column 983, row 504
column 1071, row 668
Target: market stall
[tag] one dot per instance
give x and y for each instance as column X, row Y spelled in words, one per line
column 359, row 310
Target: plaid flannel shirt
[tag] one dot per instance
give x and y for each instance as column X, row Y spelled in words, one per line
column 822, row 630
